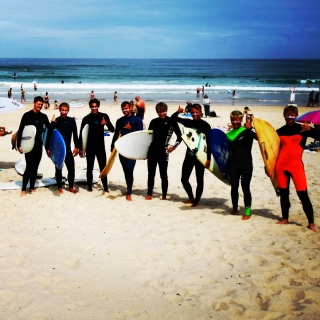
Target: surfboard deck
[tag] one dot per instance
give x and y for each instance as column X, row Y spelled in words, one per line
column 28, row 138
column 14, row 185
column 81, row 176
column 197, row 143
column 269, row 144
column 135, row 145
column 57, row 149
column 20, row 167
column 85, row 132
column 220, row 149
column 110, row 162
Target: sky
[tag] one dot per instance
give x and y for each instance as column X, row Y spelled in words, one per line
column 175, row 29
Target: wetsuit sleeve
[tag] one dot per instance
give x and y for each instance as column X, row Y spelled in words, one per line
column 313, row 133
column 151, row 124
column 116, row 133
column 20, row 130
column 109, row 124
column 207, row 129
column 140, row 124
column 177, row 131
column 75, row 133
column 175, row 117
column 46, row 122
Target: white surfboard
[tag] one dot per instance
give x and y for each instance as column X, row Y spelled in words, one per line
column 28, row 138
column 81, row 177
column 135, row 145
column 85, row 132
column 14, row 185
column 74, row 104
column 20, row 167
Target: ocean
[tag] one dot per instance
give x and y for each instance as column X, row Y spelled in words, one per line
column 256, row 82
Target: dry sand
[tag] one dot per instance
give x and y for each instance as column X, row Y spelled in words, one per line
column 97, row 256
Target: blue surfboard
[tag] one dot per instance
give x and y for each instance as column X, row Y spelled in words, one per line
column 44, row 135
column 57, row 149
column 220, row 149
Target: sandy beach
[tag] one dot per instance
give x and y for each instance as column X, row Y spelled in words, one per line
column 97, row 256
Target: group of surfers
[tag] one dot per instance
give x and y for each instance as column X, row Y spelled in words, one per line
column 289, row 165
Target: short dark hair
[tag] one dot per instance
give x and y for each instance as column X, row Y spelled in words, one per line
column 195, row 106
column 124, row 103
column 96, row 101
column 290, row 108
column 38, row 98
column 64, row 104
column 161, row 107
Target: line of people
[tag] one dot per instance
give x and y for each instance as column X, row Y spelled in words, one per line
column 289, row 165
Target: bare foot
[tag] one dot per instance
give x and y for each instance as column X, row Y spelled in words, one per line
column 23, row 194
column 234, row 212
column 60, row 191
column 190, row 201
column 32, row 190
column 283, row 221
column 148, row 197
column 312, row 227
column 73, row 190
column 163, row 198
column 128, row 197
column 246, row 217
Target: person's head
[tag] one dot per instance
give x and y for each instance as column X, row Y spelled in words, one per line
column 236, row 117
column 38, row 104
column 290, row 114
column 137, row 98
column 64, row 109
column 206, row 96
column 115, row 92
column 46, row 93
column 196, row 111
column 161, row 109
column 92, row 91
column 94, row 105
column 126, row 108
column 55, row 101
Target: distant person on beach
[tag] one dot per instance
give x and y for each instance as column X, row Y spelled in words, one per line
column 233, row 93
column 141, row 107
column 40, row 120
column 68, row 128
column 198, row 90
column 35, row 87
column 241, row 139
column 95, row 143
column 115, row 98
column 10, row 93
column 91, row 95
column 190, row 161
column 311, row 100
column 188, row 107
column 46, row 101
column 202, row 89
column 158, row 153
column 56, row 104
column 124, row 125
column 206, row 104
column 3, row 131
column 21, row 87
column 133, row 107
column 23, row 95
column 289, row 165
column 316, row 100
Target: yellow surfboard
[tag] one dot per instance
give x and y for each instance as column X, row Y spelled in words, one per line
column 110, row 162
column 269, row 143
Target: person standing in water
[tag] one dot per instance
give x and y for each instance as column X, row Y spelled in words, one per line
column 36, row 118
column 124, row 125
column 293, row 137
column 46, row 101
column 95, row 143
column 68, row 128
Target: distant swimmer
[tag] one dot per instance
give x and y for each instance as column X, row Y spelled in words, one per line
column 62, row 81
column 14, row 75
column 35, row 87
column 10, row 93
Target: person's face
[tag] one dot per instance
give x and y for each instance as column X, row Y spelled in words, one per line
column 37, row 106
column 94, row 108
column 126, row 110
column 290, row 117
column 162, row 114
column 196, row 114
column 236, row 122
column 64, row 112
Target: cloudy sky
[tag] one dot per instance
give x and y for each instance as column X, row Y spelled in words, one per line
column 160, row 29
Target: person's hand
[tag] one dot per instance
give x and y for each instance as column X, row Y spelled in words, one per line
column 207, row 164
column 170, row 149
column 48, row 153
column 75, row 152
column 248, row 125
column 128, row 126
column 305, row 127
column 20, row 150
column 103, row 121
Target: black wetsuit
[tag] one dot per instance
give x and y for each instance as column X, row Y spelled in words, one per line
column 33, row 158
column 67, row 127
column 190, row 161
column 127, row 164
column 241, row 165
column 95, row 144
column 157, row 153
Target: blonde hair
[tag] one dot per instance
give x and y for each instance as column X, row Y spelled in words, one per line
column 236, row 113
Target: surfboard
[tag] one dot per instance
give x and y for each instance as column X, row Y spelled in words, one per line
column 44, row 135
column 110, row 162
column 28, row 138
column 57, row 149
column 85, row 132
column 220, row 149
column 81, row 176
column 45, row 182
column 197, row 143
column 269, row 143
column 75, row 104
column 20, row 167
column 135, row 145
column 230, row 91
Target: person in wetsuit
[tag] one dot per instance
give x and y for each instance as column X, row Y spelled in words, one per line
column 67, row 127
column 124, row 125
column 190, row 160
column 241, row 138
column 95, row 143
column 293, row 138
column 36, row 118
column 158, row 153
